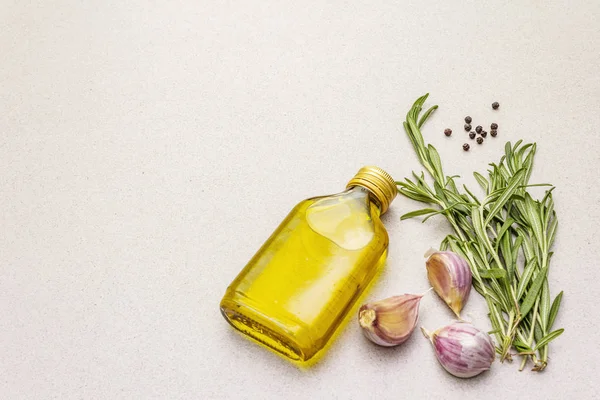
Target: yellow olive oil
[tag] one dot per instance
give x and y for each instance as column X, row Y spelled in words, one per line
column 297, row 289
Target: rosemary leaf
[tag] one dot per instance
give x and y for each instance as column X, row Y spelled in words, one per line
column 505, row 227
column 471, row 195
column 426, row 116
column 554, row 309
column 512, row 266
column 506, row 251
column 552, row 230
column 416, row 213
column 507, row 193
column 450, row 183
column 526, row 278
column 415, row 195
column 436, row 163
column 455, row 205
column 532, row 293
column 492, row 273
column 548, row 338
column 533, row 216
column 482, row 181
column 545, row 306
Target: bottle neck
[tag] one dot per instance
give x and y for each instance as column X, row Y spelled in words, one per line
column 365, row 193
column 379, row 183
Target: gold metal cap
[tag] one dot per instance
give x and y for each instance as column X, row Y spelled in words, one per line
column 378, row 182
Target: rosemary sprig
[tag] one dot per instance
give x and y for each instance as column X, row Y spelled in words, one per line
column 506, row 238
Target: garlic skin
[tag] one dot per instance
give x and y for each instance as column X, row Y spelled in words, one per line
column 391, row 321
column 451, row 278
column 462, row 349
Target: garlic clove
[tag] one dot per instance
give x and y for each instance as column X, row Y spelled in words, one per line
column 462, row 349
column 391, row 321
column 451, row 278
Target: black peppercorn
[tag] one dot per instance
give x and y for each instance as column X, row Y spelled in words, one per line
column 479, row 140
column 495, row 105
column 478, row 129
column 447, row 131
column 468, row 119
column 467, row 127
column 466, row 147
column 493, row 132
column 472, row 135
column 483, row 133
column 494, row 126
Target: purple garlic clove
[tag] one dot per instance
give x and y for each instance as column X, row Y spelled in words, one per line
column 390, row 322
column 450, row 276
column 462, row 349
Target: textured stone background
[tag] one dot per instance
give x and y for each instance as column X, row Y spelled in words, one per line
column 148, row 148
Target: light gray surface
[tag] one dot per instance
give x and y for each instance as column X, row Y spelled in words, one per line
column 148, row 148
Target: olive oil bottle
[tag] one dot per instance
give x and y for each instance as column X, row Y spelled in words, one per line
column 296, row 290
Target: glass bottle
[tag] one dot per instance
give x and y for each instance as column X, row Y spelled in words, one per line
column 296, row 290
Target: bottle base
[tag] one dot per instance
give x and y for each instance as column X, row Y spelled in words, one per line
column 254, row 325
